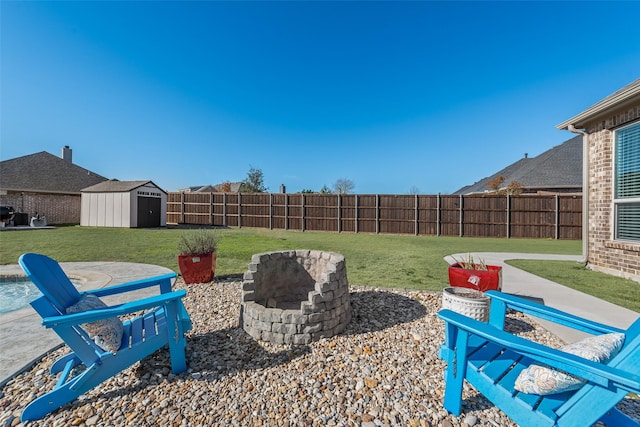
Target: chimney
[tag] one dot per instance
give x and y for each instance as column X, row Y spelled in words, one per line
column 66, row 154
column 283, row 189
column 526, row 155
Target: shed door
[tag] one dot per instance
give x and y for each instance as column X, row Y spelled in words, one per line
column 148, row 212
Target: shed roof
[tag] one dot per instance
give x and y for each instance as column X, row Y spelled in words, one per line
column 619, row 99
column 44, row 172
column 559, row 167
column 115, row 186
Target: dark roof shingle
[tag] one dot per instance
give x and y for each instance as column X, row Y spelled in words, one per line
column 46, row 173
column 559, row 167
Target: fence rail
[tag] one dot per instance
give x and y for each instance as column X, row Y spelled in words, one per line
column 527, row 216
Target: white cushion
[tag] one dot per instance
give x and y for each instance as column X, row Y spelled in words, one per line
column 106, row 333
column 543, row 380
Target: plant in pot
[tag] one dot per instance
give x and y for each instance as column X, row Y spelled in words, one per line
column 197, row 253
column 475, row 274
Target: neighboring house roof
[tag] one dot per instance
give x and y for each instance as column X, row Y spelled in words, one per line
column 192, row 189
column 115, row 186
column 218, row 188
column 617, row 100
column 235, row 187
column 44, row 172
column 557, row 168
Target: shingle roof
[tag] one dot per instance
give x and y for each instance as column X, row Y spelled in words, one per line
column 218, row 188
column 44, row 172
column 559, row 167
column 115, row 186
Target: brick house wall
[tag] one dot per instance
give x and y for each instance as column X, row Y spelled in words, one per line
column 58, row 208
column 605, row 254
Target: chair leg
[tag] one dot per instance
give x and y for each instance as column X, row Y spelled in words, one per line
column 453, row 390
column 56, row 398
column 177, row 340
column 456, row 369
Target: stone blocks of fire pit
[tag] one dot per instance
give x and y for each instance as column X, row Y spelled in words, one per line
column 295, row 297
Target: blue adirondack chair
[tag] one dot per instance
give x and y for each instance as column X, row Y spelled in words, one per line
column 491, row 359
column 163, row 323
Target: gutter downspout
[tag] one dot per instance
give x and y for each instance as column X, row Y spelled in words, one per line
column 585, row 191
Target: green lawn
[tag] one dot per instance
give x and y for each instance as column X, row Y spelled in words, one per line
column 372, row 260
column 625, row 293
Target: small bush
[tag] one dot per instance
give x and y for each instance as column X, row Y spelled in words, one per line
column 198, row 242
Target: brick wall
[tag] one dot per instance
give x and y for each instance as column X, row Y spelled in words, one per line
column 606, row 254
column 58, row 208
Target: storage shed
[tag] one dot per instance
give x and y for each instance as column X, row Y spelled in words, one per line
column 128, row 204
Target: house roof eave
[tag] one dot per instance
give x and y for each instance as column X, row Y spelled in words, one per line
column 39, row 191
column 625, row 96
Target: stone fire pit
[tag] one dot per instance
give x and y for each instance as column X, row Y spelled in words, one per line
column 295, row 297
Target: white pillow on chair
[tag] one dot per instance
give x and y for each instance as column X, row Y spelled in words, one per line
column 542, row 380
column 106, row 333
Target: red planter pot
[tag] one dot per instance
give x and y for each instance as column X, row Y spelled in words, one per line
column 481, row 280
column 197, row 268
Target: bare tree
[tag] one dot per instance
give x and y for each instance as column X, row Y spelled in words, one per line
column 343, row 186
column 414, row 190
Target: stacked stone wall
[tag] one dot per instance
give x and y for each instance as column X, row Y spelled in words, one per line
column 271, row 316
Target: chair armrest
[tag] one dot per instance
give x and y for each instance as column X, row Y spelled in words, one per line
column 500, row 301
column 112, row 311
column 594, row 372
column 163, row 281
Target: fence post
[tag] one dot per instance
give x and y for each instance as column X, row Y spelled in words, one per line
column 181, row 206
column 302, row 211
column 460, row 221
column 339, row 213
column 557, row 217
column 356, row 213
column 224, row 209
column 508, row 216
column 286, row 211
column 211, row 209
column 417, row 228
column 270, row 211
column 438, row 213
column 239, row 211
column 377, row 214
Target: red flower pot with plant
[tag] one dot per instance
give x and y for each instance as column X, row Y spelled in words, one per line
column 475, row 275
column 197, row 255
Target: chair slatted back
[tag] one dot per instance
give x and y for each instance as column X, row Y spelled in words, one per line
column 597, row 400
column 50, row 279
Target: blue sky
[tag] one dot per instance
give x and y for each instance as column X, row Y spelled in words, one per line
column 393, row 96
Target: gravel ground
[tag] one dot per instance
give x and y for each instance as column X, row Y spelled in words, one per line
column 383, row 370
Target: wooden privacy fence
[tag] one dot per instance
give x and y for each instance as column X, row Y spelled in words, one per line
column 528, row 216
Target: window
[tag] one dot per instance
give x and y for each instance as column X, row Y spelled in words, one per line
column 627, row 183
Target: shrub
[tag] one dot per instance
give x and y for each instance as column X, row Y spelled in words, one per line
column 198, row 242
